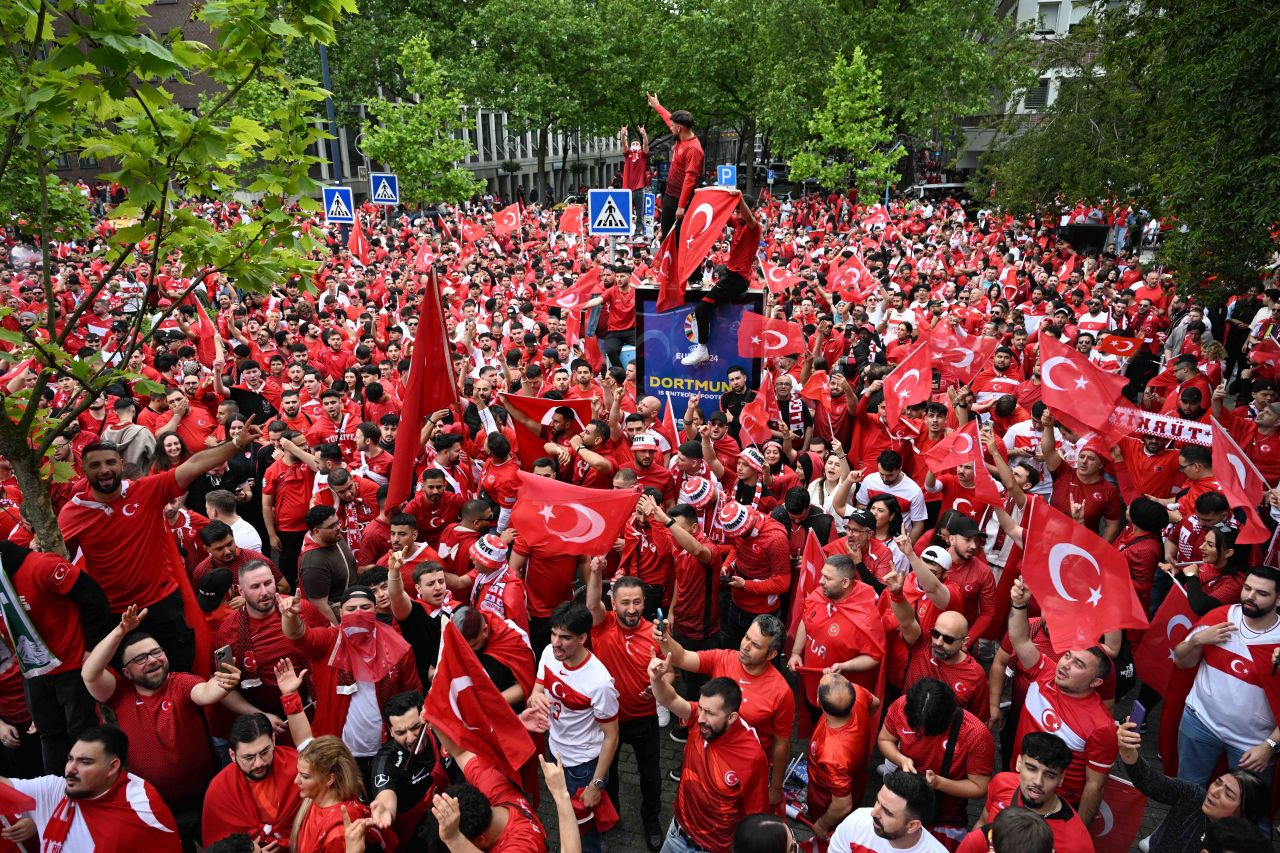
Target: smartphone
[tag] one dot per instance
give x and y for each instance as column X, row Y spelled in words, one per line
column 659, row 623
column 221, row 656
column 1138, row 714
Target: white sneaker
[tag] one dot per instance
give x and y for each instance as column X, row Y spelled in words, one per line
column 698, row 355
column 1145, row 844
column 664, row 717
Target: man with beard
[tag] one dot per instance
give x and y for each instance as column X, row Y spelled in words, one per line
column 255, row 793
column 895, row 824
column 120, row 526
column 725, row 770
column 254, row 634
column 650, row 472
column 623, row 640
column 1043, row 761
column 160, row 713
column 224, row 552
column 407, row 772
column 435, row 507
column 98, row 801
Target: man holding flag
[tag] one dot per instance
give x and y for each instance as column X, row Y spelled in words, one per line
column 734, row 280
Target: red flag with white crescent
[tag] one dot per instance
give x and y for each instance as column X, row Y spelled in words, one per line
column 507, row 220
column 1121, row 346
column 571, row 519
column 703, row 224
column 755, row 415
column 357, row 243
column 587, row 285
column 853, row 280
column 666, row 428
column 761, row 337
column 811, row 563
column 1079, row 392
column 1173, row 621
column 777, row 279
column 1080, row 580
column 1119, row 818
column 670, row 285
column 959, row 357
column 1241, row 482
column 910, row 382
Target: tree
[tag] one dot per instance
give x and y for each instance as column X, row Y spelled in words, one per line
column 415, row 137
column 850, row 141
column 90, row 79
column 1171, row 106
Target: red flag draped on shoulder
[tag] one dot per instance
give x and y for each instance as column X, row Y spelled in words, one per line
column 703, row 224
column 572, row 519
column 1081, row 582
column 908, row 384
column 1082, row 395
column 1153, row 657
column 539, row 410
column 811, row 563
column 507, row 220
column 466, row 706
column 1241, row 482
column 762, row 337
column 431, row 387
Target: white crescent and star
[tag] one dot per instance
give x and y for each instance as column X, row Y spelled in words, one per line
column 964, row 362
column 704, row 209
column 1108, row 819
column 782, row 340
column 1060, row 552
column 1046, row 375
column 914, row 375
column 462, row 682
column 588, row 524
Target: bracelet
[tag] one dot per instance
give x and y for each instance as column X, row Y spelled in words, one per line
column 670, row 522
column 1018, row 607
column 291, row 703
column 897, row 596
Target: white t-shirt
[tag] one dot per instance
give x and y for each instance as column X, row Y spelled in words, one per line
column 857, row 834
column 1025, row 435
column 1227, row 695
column 48, row 792
column 246, row 536
column 909, row 494
column 581, row 697
column 362, row 731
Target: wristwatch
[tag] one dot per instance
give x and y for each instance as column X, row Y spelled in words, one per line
column 1275, row 747
column 599, row 783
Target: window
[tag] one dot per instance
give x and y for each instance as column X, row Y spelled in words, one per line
column 1047, row 17
column 1080, row 10
column 1038, row 95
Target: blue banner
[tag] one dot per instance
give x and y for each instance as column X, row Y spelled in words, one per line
column 665, row 338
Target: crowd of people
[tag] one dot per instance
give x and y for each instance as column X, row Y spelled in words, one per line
column 816, row 581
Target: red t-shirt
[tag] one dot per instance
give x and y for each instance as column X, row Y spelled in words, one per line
column 698, row 616
column 722, row 782
column 501, row 482
column 1101, row 499
column 353, row 515
column 124, row 539
column 635, row 167
column 975, row 753
column 433, row 518
column 1070, row 835
column 42, row 584
column 523, row 833
column 548, row 577
column 291, row 487
column 619, row 309
column 838, row 757
column 196, row 425
column 968, row 680
column 745, row 247
column 168, row 740
column 1083, row 723
column 626, row 654
column 768, row 705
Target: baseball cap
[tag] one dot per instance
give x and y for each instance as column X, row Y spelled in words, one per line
column 213, row 588
column 862, row 518
column 937, row 554
column 489, row 551
column 964, row 526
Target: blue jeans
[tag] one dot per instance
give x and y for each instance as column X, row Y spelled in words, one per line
column 675, row 844
column 576, row 778
column 1199, row 748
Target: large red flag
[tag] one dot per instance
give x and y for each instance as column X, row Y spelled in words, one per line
column 529, row 447
column 571, row 219
column 1082, row 395
column 507, row 220
column 761, row 337
column 777, row 279
column 1119, row 817
column 908, row 384
column 206, row 350
column 754, row 417
column 670, row 285
column 1153, row 657
column 703, row 224
column 1241, row 483
column 422, row 260
column 471, row 232
column 357, row 243
column 464, row 704
column 587, row 286
column 1079, row 579
column 811, row 563
column 960, row 357
column 572, row 519
column 1121, row 346
column 666, row 428
column 877, row 217
column 431, row 387
column 853, row 279
column 955, row 449
column 818, row 389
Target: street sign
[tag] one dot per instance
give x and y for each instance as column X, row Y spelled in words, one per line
column 384, row 188
column 338, row 205
column 648, row 205
column 609, row 212
column 727, row 175
column 770, row 176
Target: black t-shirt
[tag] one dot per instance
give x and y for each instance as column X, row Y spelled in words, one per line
column 422, row 632
column 731, row 402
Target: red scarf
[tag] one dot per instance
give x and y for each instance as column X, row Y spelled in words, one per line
column 366, row 649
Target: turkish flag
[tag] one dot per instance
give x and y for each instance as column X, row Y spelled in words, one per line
column 1082, row 395
column 464, row 705
column 1119, row 817
column 703, row 224
column 670, row 285
column 471, row 232
column 357, row 243
column 876, row 217
column 818, row 389
column 666, row 428
column 761, row 337
column 206, row 352
column 755, row 416
column 777, row 279
column 587, row 286
column 507, row 220
column 422, row 260
column 1266, row 355
column 1080, row 581
column 539, row 410
column 1241, row 483
column 811, row 563
column 853, row 279
column 431, row 387
column 571, row 519
column 1068, row 268
column 571, row 219
column 1009, row 283
column 962, row 358
column 908, row 384
column 1153, row 657
column 1121, row 346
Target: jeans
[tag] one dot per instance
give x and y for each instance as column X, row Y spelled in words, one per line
column 674, row 843
column 1199, row 748
column 61, row 708
column 576, row 778
column 642, row 736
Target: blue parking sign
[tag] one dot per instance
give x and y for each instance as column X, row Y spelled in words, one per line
column 648, row 204
column 727, row 175
column 770, row 176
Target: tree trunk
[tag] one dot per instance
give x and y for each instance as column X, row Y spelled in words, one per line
column 37, row 506
column 564, row 188
column 541, row 186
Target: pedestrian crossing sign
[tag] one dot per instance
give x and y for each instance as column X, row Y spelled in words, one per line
column 338, row 205
column 384, row 187
column 609, row 212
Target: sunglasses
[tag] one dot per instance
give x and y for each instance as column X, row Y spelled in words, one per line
column 938, row 635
